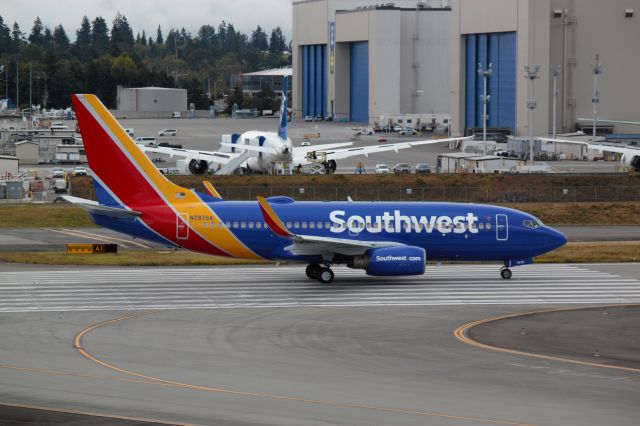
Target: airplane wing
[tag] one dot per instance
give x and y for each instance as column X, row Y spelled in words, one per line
column 602, row 120
column 209, row 156
column 263, row 149
column 317, row 245
column 338, row 154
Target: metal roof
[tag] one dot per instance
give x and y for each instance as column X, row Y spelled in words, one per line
column 274, row 72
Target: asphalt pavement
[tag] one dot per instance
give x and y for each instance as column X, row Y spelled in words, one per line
column 266, row 346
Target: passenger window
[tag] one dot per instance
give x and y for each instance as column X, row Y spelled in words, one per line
column 258, row 225
column 204, row 224
column 296, row 225
column 304, row 225
column 312, row 225
column 488, row 226
column 243, row 225
column 481, row 225
column 319, row 225
column 288, row 224
column 250, row 225
column 327, row 225
column 235, row 225
column 228, row 224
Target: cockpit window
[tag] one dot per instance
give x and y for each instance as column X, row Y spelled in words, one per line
column 533, row 224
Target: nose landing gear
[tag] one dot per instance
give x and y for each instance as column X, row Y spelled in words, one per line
column 505, row 273
column 321, row 273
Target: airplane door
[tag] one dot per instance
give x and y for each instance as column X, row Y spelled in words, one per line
column 182, row 226
column 502, row 227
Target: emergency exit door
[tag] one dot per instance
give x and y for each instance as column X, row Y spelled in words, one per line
column 502, row 227
column 182, row 226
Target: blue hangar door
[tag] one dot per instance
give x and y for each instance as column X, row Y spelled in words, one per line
column 359, row 82
column 499, row 49
column 314, row 80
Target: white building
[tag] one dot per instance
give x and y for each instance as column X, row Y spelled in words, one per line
column 253, row 82
column 357, row 60
column 151, row 99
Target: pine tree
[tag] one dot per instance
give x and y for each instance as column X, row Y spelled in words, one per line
column 36, row 36
column 82, row 46
column 99, row 36
column 5, row 38
column 159, row 39
column 277, row 42
column 60, row 38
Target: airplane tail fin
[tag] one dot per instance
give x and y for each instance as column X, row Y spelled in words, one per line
column 283, row 130
column 123, row 175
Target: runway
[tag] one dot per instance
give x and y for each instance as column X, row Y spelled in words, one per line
column 281, row 287
column 266, row 346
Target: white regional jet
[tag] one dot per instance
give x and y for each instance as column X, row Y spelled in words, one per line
column 256, row 151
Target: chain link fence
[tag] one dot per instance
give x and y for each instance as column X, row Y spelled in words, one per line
column 448, row 194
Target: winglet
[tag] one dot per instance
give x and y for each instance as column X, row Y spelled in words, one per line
column 272, row 219
column 211, row 190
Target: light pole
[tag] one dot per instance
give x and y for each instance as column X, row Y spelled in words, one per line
column 555, row 72
column 485, row 99
column 597, row 70
column 531, row 73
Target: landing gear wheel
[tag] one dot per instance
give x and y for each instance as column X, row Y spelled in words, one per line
column 505, row 273
column 313, row 269
column 325, row 276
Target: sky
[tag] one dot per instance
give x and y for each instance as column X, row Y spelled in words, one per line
column 245, row 15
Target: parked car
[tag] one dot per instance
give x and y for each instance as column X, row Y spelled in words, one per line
column 364, row 131
column 130, row 132
column 168, row 132
column 382, row 138
column 176, row 114
column 382, row 169
column 80, row 171
column 305, row 143
column 397, row 128
column 308, row 118
column 377, row 128
column 146, row 141
column 501, row 152
column 423, row 169
column 57, row 173
column 387, row 129
column 318, row 118
column 402, row 169
column 409, row 131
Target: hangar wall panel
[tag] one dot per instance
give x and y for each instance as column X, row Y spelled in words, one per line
column 359, row 81
column 314, row 80
column 499, row 49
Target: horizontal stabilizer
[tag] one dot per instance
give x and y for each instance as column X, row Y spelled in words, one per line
column 94, row 208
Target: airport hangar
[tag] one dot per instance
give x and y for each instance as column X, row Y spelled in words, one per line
column 359, row 60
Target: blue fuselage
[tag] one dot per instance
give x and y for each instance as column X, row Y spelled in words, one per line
column 447, row 231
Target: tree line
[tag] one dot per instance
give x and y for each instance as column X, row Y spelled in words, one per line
column 103, row 57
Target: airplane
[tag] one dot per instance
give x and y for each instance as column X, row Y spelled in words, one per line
column 630, row 156
column 256, row 151
column 382, row 238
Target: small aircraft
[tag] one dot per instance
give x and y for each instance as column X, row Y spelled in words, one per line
column 382, row 238
column 256, row 151
column 630, row 156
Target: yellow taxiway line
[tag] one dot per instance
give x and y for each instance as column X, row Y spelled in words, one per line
column 462, row 334
column 163, row 382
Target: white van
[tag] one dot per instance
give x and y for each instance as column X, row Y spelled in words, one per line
column 146, row 141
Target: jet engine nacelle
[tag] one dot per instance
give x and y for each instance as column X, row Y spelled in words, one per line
column 392, row 261
column 635, row 163
column 192, row 166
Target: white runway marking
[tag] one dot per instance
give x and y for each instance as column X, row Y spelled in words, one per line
column 265, row 287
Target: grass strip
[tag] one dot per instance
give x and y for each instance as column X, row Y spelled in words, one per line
column 124, row 258
column 570, row 253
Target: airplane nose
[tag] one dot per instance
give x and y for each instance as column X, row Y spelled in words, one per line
column 555, row 238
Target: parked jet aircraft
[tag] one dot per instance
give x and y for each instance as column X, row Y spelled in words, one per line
column 256, row 150
column 384, row 239
column 630, row 156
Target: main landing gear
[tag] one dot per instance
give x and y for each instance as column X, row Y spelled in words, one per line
column 321, row 273
column 505, row 272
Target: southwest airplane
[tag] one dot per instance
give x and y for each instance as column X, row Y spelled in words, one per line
column 384, row 239
column 256, row 150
